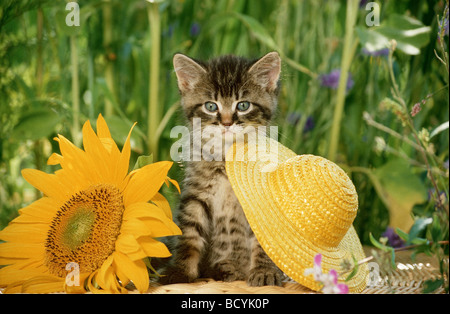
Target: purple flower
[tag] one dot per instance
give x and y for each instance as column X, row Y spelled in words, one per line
column 443, row 24
column 331, row 80
column 195, row 29
column 169, row 31
column 416, row 109
column 329, row 281
column 377, row 53
column 294, row 118
column 393, row 239
column 362, row 3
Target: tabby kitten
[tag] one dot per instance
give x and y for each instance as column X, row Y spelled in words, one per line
column 231, row 94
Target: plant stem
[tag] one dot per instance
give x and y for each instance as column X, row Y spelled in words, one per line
column 350, row 45
column 75, row 92
column 154, row 113
column 39, row 85
column 107, row 40
column 369, row 120
column 409, row 122
column 169, row 113
column 297, row 66
column 39, row 62
column 405, row 248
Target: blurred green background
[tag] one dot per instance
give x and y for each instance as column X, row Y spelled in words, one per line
column 118, row 62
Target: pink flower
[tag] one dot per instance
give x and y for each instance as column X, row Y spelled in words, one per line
column 329, row 281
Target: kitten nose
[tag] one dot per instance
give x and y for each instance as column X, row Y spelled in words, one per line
column 226, row 120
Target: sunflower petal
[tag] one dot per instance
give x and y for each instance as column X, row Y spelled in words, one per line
column 43, row 284
column 47, row 183
column 128, row 245
column 20, row 250
column 102, row 127
column 105, row 137
column 29, row 233
column 95, row 149
column 40, row 211
column 145, row 182
column 137, row 210
column 154, row 248
column 161, row 229
column 135, row 227
column 160, row 201
column 155, row 219
column 77, row 288
column 55, row 159
column 9, row 275
column 105, row 277
column 124, row 159
column 75, row 158
column 174, row 182
column 136, row 271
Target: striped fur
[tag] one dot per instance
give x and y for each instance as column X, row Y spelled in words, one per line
column 217, row 241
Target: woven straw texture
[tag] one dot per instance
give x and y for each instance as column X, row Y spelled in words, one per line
column 408, row 278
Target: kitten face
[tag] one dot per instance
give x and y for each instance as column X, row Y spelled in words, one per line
column 229, row 92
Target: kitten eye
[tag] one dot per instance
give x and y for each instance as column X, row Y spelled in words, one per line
column 210, row 106
column 243, row 106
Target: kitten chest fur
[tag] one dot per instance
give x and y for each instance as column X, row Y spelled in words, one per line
column 228, row 229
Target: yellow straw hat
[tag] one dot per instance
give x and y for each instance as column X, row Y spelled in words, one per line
column 297, row 206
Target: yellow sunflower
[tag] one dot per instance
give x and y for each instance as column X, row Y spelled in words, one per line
column 94, row 225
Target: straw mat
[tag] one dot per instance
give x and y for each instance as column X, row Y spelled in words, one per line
column 408, row 278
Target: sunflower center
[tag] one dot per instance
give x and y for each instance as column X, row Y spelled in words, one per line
column 85, row 229
column 78, row 227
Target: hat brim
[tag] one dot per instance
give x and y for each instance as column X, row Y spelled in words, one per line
column 288, row 248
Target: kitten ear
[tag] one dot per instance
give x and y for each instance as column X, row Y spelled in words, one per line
column 188, row 72
column 266, row 71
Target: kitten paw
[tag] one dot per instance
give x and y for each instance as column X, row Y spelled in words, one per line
column 227, row 271
column 263, row 276
column 174, row 275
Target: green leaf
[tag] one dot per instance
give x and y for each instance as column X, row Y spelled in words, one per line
column 258, row 30
column 393, row 264
column 354, row 270
column 119, row 129
column 143, row 161
column 403, row 235
column 379, row 245
column 410, row 34
column 420, row 224
column 436, row 230
column 372, row 40
column 444, row 126
column 419, row 241
column 401, row 190
column 432, row 285
column 152, row 271
column 36, row 124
